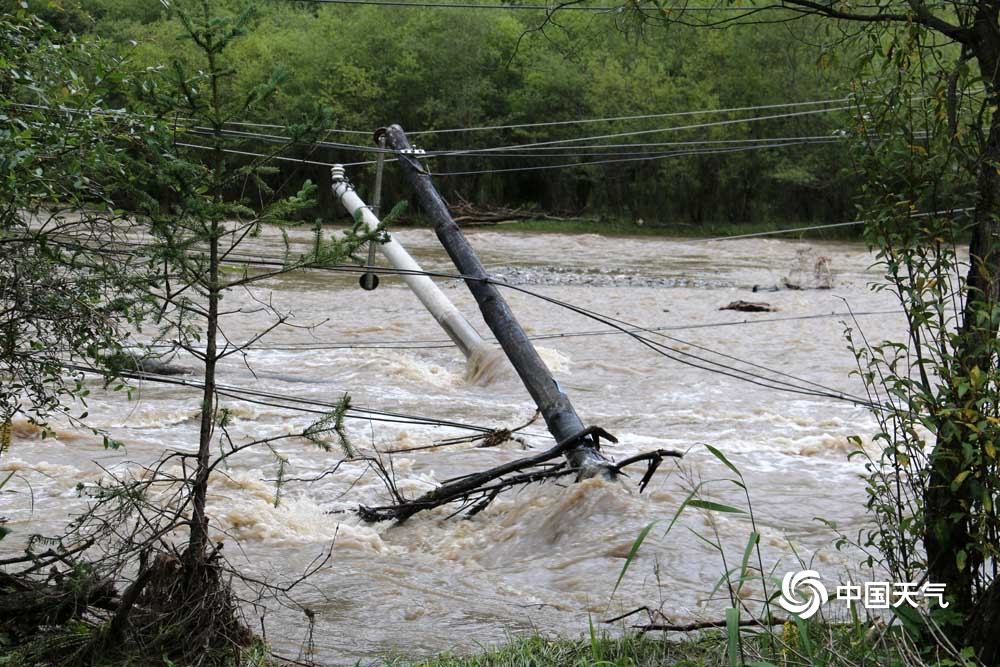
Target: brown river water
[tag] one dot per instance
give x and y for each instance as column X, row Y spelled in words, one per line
column 543, row 559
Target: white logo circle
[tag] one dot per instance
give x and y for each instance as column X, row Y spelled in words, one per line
column 789, row 599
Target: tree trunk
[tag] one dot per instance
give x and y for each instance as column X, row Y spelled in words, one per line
column 196, row 553
column 199, row 488
column 982, row 632
column 953, row 555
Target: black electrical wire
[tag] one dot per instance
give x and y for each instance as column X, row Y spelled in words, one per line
column 631, row 329
column 298, row 404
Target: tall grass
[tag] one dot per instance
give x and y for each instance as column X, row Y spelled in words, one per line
column 769, row 637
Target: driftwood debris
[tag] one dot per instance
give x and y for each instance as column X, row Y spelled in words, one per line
column 27, row 604
column 658, row 622
column 474, row 492
column 467, row 213
column 750, row 307
column 63, row 606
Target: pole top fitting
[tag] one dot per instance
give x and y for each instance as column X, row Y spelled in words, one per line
column 337, row 173
column 379, row 133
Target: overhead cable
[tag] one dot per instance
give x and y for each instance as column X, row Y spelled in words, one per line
column 674, row 114
column 635, row 331
column 530, row 151
column 288, row 402
column 445, row 343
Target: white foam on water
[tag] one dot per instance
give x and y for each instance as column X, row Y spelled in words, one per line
column 151, row 416
column 542, row 556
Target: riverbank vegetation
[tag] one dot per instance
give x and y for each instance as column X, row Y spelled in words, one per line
column 780, row 154
column 834, row 646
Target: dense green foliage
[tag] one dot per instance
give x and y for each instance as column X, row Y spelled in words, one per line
column 75, row 274
column 67, row 294
column 932, row 487
column 437, row 69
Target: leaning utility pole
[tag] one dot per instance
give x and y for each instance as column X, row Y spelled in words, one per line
column 580, row 445
column 437, row 304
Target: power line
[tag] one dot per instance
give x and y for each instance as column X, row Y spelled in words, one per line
column 774, row 379
column 640, row 158
column 693, row 360
column 442, row 343
column 283, row 158
column 819, row 227
column 781, row 231
column 529, row 151
column 290, row 402
column 555, row 142
column 633, row 133
column 616, row 119
column 645, row 158
column 635, row 331
column 583, row 121
column 541, row 145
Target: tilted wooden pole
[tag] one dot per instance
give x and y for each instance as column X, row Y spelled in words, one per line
column 582, row 444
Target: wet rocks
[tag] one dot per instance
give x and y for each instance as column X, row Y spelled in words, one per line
column 558, row 275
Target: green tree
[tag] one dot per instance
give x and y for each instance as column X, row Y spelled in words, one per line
column 69, row 294
column 217, row 201
column 432, row 68
column 931, row 134
column 196, row 208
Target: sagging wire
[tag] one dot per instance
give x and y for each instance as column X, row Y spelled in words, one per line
column 590, row 163
column 482, row 128
column 643, row 158
column 753, row 235
column 282, row 401
column 526, row 151
column 543, row 145
column 633, row 133
column 442, row 343
column 631, row 329
column 635, row 331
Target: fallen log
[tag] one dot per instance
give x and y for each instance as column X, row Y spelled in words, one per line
column 749, row 307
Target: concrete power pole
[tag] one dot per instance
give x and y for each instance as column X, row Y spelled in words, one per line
column 582, row 444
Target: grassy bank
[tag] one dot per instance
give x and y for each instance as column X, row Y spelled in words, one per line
column 631, row 651
column 853, row 645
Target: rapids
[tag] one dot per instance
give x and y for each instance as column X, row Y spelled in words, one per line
column 545, row 558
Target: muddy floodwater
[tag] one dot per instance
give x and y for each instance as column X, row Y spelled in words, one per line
column 544, row 559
